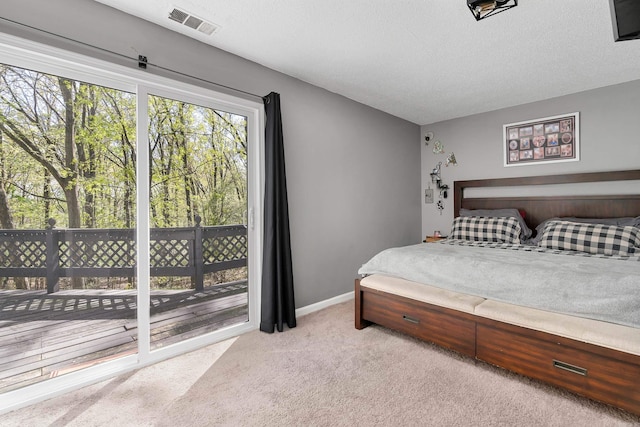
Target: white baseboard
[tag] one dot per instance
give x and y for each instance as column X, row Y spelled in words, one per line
column 324, row 304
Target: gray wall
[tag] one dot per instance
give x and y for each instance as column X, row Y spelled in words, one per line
column 353, row 172
column 609, row 140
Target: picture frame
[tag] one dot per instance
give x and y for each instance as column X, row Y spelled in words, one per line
column 551, row 139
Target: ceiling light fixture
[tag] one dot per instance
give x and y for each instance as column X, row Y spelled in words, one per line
column 484, row 8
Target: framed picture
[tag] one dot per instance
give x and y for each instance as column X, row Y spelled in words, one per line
column 546, row 140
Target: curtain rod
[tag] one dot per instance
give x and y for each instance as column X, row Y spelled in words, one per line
column 138, row 60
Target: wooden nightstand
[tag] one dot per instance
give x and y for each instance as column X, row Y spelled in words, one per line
column 430, row 239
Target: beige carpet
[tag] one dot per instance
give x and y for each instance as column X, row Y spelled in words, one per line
column 322, row 373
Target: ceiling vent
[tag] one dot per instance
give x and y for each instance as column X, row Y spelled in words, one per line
column 185, row 18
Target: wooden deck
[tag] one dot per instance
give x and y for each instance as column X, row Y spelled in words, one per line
column 45, row 335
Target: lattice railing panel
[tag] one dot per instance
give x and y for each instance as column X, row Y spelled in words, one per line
column 102, row 252
column 23, row 253
column 97, row 253
column 170, row 253
column 224, row 248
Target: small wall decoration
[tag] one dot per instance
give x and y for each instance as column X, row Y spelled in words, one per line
column 438, row 147
column 547, row 140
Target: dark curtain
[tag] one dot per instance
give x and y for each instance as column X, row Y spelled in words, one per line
column 277, row 271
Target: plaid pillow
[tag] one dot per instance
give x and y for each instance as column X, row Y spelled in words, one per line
column 591, row 238
column 486, row 229
column 517, row 214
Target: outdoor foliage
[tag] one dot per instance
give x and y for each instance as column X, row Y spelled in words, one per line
column 67, row 151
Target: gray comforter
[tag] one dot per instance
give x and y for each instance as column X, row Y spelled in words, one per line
column 590, row 287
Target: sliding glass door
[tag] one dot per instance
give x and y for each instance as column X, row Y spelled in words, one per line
column 67, row 246
column 198, row 214
column 129, row 210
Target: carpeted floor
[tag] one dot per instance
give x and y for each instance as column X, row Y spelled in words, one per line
column 322, row 373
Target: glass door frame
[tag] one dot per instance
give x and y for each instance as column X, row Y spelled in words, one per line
column 31, row 55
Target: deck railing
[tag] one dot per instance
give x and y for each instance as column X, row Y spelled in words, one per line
column 186, row 251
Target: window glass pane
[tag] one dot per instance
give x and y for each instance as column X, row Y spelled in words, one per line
column 198, row 211
column 67, row 225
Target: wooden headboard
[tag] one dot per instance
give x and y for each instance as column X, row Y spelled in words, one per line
column 539, row 208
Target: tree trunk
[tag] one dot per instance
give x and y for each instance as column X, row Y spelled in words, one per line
column 128, row 191
column 71, row 189
column 187, row 179
column 6, row 221
column 166, row 195
column 87, row 153
column 46, row 193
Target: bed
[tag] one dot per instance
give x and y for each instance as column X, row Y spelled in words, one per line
column 597, row 356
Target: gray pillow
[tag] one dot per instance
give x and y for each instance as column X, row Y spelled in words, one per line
column 513, row 213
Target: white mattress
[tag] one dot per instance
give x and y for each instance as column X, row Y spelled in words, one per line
column 604, row 334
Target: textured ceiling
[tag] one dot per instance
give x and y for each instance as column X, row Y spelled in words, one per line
column 422, row 60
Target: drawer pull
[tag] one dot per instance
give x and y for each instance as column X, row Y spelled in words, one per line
column 571, row 368
column 410, row 319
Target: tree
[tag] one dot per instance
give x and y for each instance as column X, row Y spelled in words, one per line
column 78, row 134
column 198, row 164
column 6, row 219
column 34, row 124
column 72, row 154
column 68, row 180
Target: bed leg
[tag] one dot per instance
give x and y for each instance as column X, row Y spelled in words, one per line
column 360, row 322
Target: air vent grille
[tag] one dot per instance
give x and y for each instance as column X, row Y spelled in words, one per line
column 207, row 28
column 178, row 15
column 193, row 22
column 187, row 19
